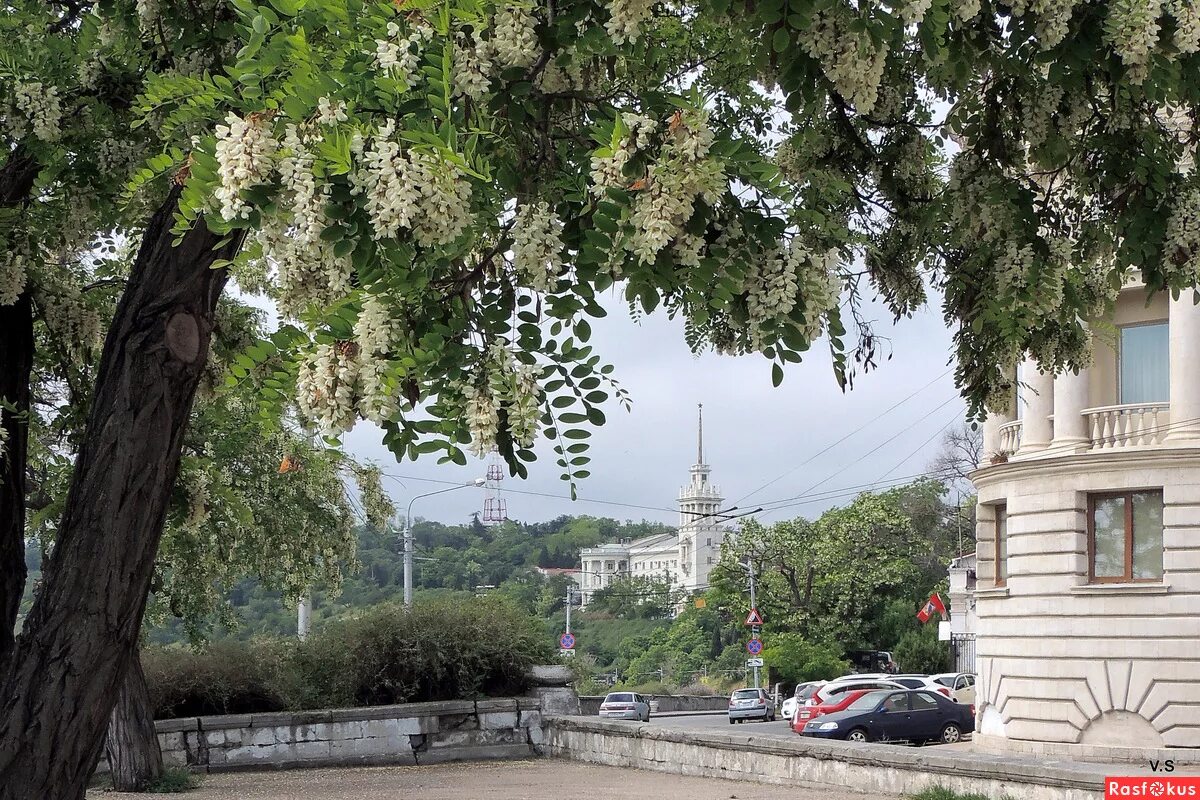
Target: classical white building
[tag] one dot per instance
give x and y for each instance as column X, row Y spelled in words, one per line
column 684, row 558
column 1088, row 568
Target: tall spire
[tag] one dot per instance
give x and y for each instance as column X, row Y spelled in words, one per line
column 700, row 434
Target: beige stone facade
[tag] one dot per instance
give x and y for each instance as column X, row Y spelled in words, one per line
column 1081, row 645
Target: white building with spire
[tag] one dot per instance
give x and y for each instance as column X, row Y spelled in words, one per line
column 684, row 558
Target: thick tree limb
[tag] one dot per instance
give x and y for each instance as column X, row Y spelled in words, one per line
column 16, row 367
column 58, row 687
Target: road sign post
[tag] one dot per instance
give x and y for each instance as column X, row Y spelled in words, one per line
column 567, row 641
column 754, row 662
column 754, row 647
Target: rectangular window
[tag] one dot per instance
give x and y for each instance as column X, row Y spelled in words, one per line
column 1125, row 537
column 1145, row 374
column 1001, row 542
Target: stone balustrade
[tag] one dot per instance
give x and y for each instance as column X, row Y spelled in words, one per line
column 1128, row 425
column 1010, row 438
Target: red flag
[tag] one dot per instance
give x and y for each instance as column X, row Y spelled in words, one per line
column 933, row 604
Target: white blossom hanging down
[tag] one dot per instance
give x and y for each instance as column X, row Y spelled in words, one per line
column 537, row 246
column 245, row 151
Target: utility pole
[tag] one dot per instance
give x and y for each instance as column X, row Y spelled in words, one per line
column 749, row 567
column 570, row 593
column 408, row 536
column 303, row 617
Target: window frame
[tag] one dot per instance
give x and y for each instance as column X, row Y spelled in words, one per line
column 999, row 555
column 1127, row 496
column 1119, row 393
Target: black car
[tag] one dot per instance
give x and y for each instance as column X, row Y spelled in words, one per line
column 913, row 716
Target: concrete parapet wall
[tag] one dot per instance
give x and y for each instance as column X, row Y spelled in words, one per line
column 417, row 733
column 873, row 769
column 590, row 705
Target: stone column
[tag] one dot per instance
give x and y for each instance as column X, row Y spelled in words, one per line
column 1185, row 369
column 1038, row 395
column 1071, row 397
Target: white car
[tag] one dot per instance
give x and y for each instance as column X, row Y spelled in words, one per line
column 802, row 693
column 924, row 682
column 961, row 684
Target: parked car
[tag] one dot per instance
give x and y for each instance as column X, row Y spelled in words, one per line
column 924, row 682
column 839, row 702
column 625, row 705
column 747, row 704
column 961, row 685
column 916, row 716
column 798, row 698
column 872, row 661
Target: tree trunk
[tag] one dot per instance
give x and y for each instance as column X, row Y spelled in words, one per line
column 58, row 687
column 134, row 757
column 16, row 365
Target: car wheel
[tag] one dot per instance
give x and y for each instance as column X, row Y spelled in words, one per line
column 732, row 721
column 647, row 716
column 951, row 734
column 857, row 735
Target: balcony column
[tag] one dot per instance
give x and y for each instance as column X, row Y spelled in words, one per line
column 1039, row 405
column 1071, row 397
column 1185, row 368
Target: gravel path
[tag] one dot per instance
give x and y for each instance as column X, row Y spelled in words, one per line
column 511, row 780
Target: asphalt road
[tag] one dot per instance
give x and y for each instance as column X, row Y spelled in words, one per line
column 720, row 722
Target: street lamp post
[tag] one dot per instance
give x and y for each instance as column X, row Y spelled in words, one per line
column 408, row 535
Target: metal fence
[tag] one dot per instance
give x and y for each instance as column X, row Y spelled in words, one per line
column 962, row 651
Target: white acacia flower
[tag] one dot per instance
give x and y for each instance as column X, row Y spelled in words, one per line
column 514, row 40
column 537, row 246
column 245, row 156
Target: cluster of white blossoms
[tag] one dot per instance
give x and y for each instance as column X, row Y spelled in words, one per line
column 818, row 284
column 326, row 385
column 537, row 246
column 330, row 112
column 413, row 190
column 1187, row 24
column 245, row 157
column 770, row 287
column 608, row 168
column 483, row 418
column 67, row 314
column 913, row 11
column 967, row 10
column 309, row 271
column 680, row 176
column 1012, row 266
column 514, row 37
column 1051, row 18
column 472, row 65
column 375, row 333
column 625, row 19
column 1181, row 244
column 563, row 73
column 148, row 12
column 849, row 57
column 1132, row 28
column 400, row 58
column 12, row 277
column 40, row 106
column 501, row 383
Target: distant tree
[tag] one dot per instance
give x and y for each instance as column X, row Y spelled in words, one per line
column 960, row 454
column 920, row 651
column 795, row 659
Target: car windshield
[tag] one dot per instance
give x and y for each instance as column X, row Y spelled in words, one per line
column 807, row 691
column 945, row 680
column 618, row 698
column 867, row 701
column 911, row 683
column 745, row 694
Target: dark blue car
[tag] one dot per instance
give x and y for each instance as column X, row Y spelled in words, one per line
column 913, row 716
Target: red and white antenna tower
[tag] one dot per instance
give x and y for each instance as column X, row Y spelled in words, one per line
column 495, row 508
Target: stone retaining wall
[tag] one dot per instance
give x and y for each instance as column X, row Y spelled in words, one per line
column 417, row 733
column 871, row 768
column 589, row 706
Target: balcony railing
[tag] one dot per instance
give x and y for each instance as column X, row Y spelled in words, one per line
column 1010, row 438
column 1128, row 425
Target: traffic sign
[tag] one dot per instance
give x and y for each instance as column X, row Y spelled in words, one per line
column 754, row 662
column 754, row 618
column 567, row 641
column 754, row 646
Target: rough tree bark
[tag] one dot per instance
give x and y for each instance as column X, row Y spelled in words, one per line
column 16, row 366
column 58, row 687
column 131, row 744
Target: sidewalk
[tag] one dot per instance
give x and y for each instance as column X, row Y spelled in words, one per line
column 548, row 779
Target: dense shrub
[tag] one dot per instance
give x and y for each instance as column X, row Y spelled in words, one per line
column 226, row 678
column 920, row 651
column 441, row 650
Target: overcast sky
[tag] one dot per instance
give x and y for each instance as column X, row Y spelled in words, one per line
column 753, row 433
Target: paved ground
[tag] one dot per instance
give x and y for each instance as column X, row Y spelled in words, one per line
column 512, row 780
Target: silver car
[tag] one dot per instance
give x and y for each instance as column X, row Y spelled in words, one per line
column 751, row 704
column 625, row 705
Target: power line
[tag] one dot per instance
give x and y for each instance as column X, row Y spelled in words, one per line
column 920, row 447
column 857, row 430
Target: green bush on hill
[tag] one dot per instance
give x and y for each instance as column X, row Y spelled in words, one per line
column 441, row 650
